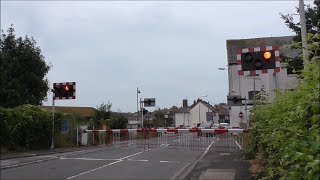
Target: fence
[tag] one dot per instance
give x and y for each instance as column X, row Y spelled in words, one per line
column 222, row 140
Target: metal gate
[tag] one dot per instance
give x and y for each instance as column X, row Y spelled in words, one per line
column 220, row 140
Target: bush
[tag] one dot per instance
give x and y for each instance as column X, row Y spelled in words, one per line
column 286, row 132
column 27, row 126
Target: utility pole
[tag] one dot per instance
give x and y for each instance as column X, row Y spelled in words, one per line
column 303, row 33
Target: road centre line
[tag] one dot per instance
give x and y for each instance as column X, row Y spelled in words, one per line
column 177, row 162
column 71, row 177
column 110, row 164
column 142, row 160
column 90, row 159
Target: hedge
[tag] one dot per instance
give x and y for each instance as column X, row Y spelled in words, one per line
column 27, row 127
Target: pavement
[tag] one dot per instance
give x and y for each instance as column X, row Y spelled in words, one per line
column 221, row 163
column 157, row 159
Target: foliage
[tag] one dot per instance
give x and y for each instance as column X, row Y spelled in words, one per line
column 23, row 71
column 286, row 132
column 103, row 112
column 159, row 118
column 118, row 121
column 312, row 14
column 27, row 126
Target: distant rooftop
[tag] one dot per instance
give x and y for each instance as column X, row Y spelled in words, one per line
column 83, row 111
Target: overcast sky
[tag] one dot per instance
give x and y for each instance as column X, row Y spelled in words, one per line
column 171, row 50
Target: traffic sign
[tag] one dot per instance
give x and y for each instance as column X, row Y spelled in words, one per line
column 240, row 114
column 149, row 102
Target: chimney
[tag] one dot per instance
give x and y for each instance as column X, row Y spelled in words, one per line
column 185, row 103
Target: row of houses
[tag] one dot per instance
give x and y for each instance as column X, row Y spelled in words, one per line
column 199, row 112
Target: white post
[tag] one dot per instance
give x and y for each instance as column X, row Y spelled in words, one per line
column 303, row 33
column 141, row 113
column 77, row 136
column 52, row 138
column 92, row 135
column 246, row 109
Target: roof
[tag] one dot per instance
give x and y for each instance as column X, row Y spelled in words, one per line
column 83, row 111
column 209, row 106
column 222, row 110
column 183, row 110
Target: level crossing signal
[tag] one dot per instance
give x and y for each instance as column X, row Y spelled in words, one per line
column 65, row 90
column 258, row 60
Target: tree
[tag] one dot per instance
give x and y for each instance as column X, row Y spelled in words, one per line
column 159, row 120
column 103, row 112
column 313, row 28
column 118, row 121
column 23, row 70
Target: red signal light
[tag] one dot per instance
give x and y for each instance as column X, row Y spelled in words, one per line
column 67, row 88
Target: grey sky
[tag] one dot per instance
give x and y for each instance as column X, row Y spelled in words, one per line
column 172, row 50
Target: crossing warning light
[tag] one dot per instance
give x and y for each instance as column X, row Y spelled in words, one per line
column 267, row 55
column 66, row 90
column 258, row 60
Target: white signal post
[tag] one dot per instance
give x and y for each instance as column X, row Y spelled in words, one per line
column 66, row 84
column 52, row 138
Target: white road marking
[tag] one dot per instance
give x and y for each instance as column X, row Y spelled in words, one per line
column 223, row 154
column 170, row 162
column 71, row 177
column 238, row 144
column 90, row 159
column 142, row 160
column 131, row 155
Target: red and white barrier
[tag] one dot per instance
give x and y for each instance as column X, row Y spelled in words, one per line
column 224, row 140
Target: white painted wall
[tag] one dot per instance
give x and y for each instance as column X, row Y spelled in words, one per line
column 194, row 114
column 182, row 119
column 241, row 85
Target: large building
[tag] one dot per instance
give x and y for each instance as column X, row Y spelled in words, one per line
column 246, row 86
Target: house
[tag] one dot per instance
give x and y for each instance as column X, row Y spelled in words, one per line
column 134, row 121
column 247, row 86
column 223, row 112
column 199, row 112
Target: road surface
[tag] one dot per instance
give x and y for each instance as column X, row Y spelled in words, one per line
column 160, row 159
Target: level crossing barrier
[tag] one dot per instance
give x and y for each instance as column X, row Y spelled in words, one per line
column 221, row 140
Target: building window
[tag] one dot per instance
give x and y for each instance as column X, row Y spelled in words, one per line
column 251, row 94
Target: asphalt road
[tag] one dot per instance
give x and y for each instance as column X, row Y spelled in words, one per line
column 161, row 158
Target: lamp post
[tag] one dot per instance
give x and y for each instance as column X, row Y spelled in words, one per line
column 138, row 91
column 229, row 76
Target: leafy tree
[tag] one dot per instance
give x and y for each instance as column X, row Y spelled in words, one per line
column 23, row 70
column 313, row 27
column 103, row 112
column 159, row 120
column 118, row 121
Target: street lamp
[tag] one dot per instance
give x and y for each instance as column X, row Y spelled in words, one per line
column 138, row 91
column 229, row 76
column 199, row 105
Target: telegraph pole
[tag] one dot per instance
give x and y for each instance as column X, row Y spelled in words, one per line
column 303, row 33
